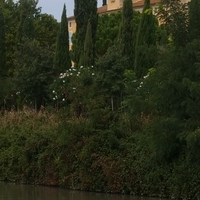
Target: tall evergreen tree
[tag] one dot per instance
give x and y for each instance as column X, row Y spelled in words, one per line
column 62, row 60
column 2, row 45
column 87, row 58
column 28, row 11
column 11, row 14
column 194, row 19
column 146, row 42
column 84, row 11
column 126, row 32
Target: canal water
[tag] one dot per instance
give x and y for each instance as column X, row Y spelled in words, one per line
column 11, row 191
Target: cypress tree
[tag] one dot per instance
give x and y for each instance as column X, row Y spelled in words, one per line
column 145, row 48
column 62, row 60
column 194, row 19
column 126, row 32
column 26, row 25
column 87, row 56
column 83, row 12
column 2, row 45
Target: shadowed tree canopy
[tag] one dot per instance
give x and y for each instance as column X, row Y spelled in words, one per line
column 194, row 19
column 62, row 60
column 146, row 42
column 126, row 37
column 84, row 11
column 174, row 16
column 87, row 58
column 2, row 45
column 29, row 11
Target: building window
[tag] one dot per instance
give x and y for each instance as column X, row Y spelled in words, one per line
column 70, row 24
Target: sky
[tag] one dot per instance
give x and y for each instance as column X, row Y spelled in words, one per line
column 55, row 7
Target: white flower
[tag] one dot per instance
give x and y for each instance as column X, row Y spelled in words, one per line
column 70, row 70
column 77, row 75
column 63, row 99
column 63, row 81
column 92, row 66
column 62, row 75
column 54, row 99
column 73, row 88
column 53, row 91
column 72, row 66
column 71, row 74
column 81, row 67
column 92, row 74
column 79, row 72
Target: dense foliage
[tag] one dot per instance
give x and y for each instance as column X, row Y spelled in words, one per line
column 145, row 48
column 107, row 127
column 62, row 60
column 83, row 13
column 2, row 45
column 126, row 36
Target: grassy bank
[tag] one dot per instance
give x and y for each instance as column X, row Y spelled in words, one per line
column 98, row 154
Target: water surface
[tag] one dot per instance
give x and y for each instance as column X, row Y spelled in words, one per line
column 11, row 191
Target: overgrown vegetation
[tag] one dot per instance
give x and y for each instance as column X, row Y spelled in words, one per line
column 107, row 127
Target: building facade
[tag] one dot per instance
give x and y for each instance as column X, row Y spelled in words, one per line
column 112, row 6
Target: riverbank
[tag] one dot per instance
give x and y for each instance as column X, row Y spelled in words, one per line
column 98, row 154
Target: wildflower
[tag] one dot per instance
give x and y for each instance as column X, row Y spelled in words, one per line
column 53, row 91
column 63, row 99
column 54, row 98
column 71, row 74
column 92, row 66
column 73, row 88
column 92, row 74
column 63, row 81
column 62, row 75
column 81, row 67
